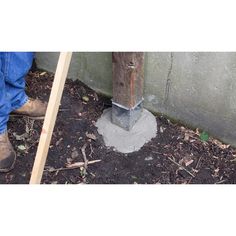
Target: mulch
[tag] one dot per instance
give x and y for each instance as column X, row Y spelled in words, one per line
column 177, row 155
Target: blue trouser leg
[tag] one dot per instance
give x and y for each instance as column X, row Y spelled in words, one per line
column 5, row 104
column 14, row 67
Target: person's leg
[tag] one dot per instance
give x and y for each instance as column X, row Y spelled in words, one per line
column 7, row 153
column 15, row 66
column 5, row 105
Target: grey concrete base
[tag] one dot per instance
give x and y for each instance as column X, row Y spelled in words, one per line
column 127, row 141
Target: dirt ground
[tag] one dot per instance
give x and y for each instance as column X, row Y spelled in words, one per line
column 176, row 156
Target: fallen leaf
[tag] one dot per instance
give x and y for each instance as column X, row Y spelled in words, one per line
column 91, row 136
column 96, row 96
column 188, row 163
column 220, row 144
column 133, row 177
column 187, row 160
column 197, row 132
column 85, row 98
column 216, row 173
column 204, row 136
column 20, row 137
column 59, row 141
column 162, row 129
column 186, row 137
column 21, row 147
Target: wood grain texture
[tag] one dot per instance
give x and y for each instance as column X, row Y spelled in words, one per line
column 50, row 117
column 128, row 77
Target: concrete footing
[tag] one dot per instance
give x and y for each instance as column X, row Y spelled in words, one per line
column 127, row 141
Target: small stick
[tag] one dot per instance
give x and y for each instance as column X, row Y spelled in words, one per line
column 222, row 181
column 198, row 162
column 91, row 150
column 63, row 109
column 200, row 158
column 84, row 155
column 71, row 118
column 181, row 167
column 75, row 166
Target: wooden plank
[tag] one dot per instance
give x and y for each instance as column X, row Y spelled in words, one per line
column 128, row 78
column 50, row 117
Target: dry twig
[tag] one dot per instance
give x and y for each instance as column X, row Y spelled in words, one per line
column 181, row 166
column 196, row 167
column 222, row 181
column 72, row 166
column 84, row 155
column 91, row 150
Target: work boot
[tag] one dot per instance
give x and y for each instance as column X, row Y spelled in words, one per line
column 33, row 108
column 7, row 154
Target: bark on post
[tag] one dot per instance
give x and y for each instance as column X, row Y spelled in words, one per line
column 128, row 78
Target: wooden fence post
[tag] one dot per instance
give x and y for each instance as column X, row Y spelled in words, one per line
column 128, row 79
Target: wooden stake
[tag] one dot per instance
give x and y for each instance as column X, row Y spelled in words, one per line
column 50, row 117
column 128, row 80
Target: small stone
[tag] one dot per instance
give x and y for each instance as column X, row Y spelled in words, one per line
column 60, row 133
column 43, row 73
column 74, row 154
column 186, row 137
column 148, row 158
column 162, row 129
column 59, row 141
column 22, row 147
column 85, row 98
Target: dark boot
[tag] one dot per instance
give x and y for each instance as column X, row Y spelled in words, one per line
column 7, row 154
column 34, row 109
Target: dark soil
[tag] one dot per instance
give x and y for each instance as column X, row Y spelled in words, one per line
column 176, row 156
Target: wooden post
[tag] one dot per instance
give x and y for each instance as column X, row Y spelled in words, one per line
column 128, row 79
column 50, row 117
